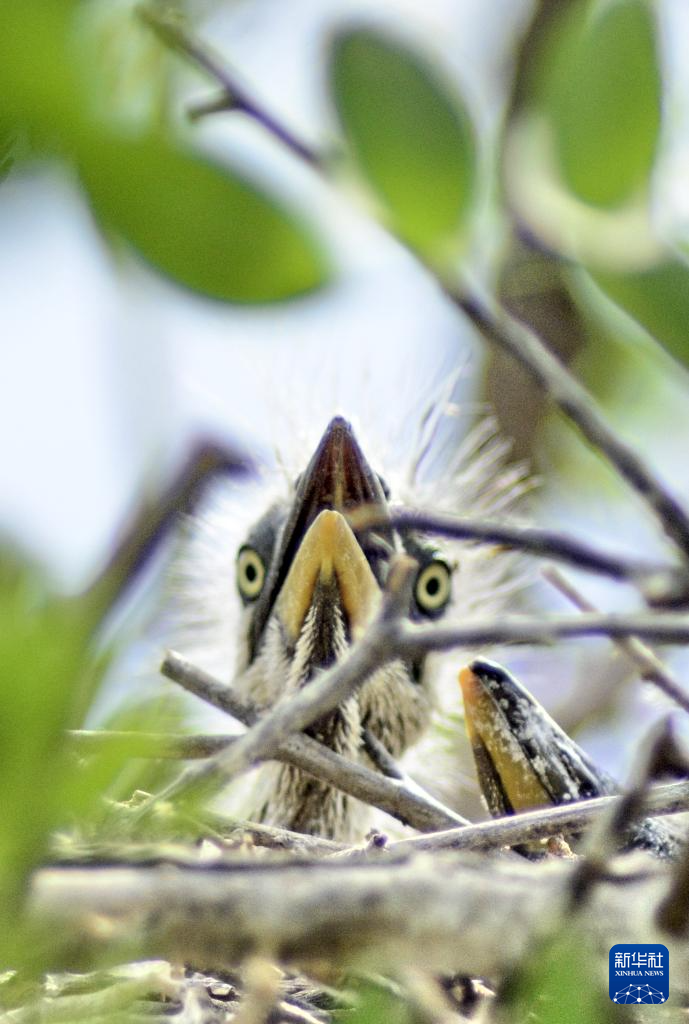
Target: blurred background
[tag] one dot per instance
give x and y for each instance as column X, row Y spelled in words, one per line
column 111, row 371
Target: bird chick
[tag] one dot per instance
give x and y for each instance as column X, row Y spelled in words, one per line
column 306, row 586
column 524, row 759
column 309, row 587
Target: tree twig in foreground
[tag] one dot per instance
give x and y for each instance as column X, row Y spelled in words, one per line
column 577, row 404
column 410, row 805
column 654, row 579
column 454, row 911
column 529, row 826
column 299, row 710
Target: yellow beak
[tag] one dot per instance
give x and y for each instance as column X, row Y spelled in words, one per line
column 489, row 733
column 329, row 552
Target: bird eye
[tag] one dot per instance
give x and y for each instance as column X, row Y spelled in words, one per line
column 251, row 573
column 433, row 586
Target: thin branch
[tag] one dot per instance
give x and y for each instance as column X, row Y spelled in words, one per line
column 409, row 640
column 168, row 746
column 572, row 398
column 229, row 830
column 640, row 654
column 656, row 578
column 404, row 801
column 312, row 702
column 529, row 826
column 152, row 521
column 661, row 757
column 183, row 41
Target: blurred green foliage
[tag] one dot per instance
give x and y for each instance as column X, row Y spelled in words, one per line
column 206, row 226
column 560, row 982
column 604, row 93
column 411, row 138
column 658, row 298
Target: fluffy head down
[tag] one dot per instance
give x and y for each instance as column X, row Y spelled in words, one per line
column 213, row 626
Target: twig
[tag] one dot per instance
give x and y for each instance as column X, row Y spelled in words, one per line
column 414, row 640
column 270, row 836
column 654, row 578
column 183, row 41
column 662, row 757
column 646, row 660
column 529, row 826
column 380, row 756
column 312, row 702
column 407, row 803
column 572, row 398
column 152, row 521
column 149, row 744
column 454, row 911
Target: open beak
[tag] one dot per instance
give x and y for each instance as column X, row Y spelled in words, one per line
column 319, row 559
column 523, row 758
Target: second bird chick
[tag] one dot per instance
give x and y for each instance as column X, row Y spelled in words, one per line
column 525, row 760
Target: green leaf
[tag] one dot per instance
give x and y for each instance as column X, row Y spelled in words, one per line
column 605, row 100
column 658, row 298
column 42, row 655
column 410, row 136
column 201, row 224
column 559, row 983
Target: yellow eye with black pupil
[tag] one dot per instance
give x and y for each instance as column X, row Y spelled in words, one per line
column 251, row 573
column 433, row 587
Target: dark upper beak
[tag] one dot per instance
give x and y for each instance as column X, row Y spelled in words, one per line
column 316, row 542
column 523, row 758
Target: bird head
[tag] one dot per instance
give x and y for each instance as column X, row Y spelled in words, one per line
column 310, row 585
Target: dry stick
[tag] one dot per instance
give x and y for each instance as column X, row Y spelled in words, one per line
column 408, row 803
column 646, row 660
column 152, row 521
column 572, row 398
column 542, row 543
column 272, row 837
column 528, row 826
column 387, row 639
column 298, row 711
column 458, row 912
column 183, row 41
column 494, row 323
column 169, row 746
column 410, row 640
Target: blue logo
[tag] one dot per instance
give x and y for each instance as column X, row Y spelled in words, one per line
column 639, row 973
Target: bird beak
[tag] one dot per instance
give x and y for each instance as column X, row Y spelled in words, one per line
column 329, row 555
column 318, row 554
column 523, row 758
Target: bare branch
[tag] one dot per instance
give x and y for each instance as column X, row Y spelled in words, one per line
column 152, row 521
column 646, row 660
column 312, row 702
column 572, row 398
column 654, row 579
column 183, row 41
column 169, row 746
column 413, row 640
column 405, row 801
column 452, row 911
column 529, row 826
